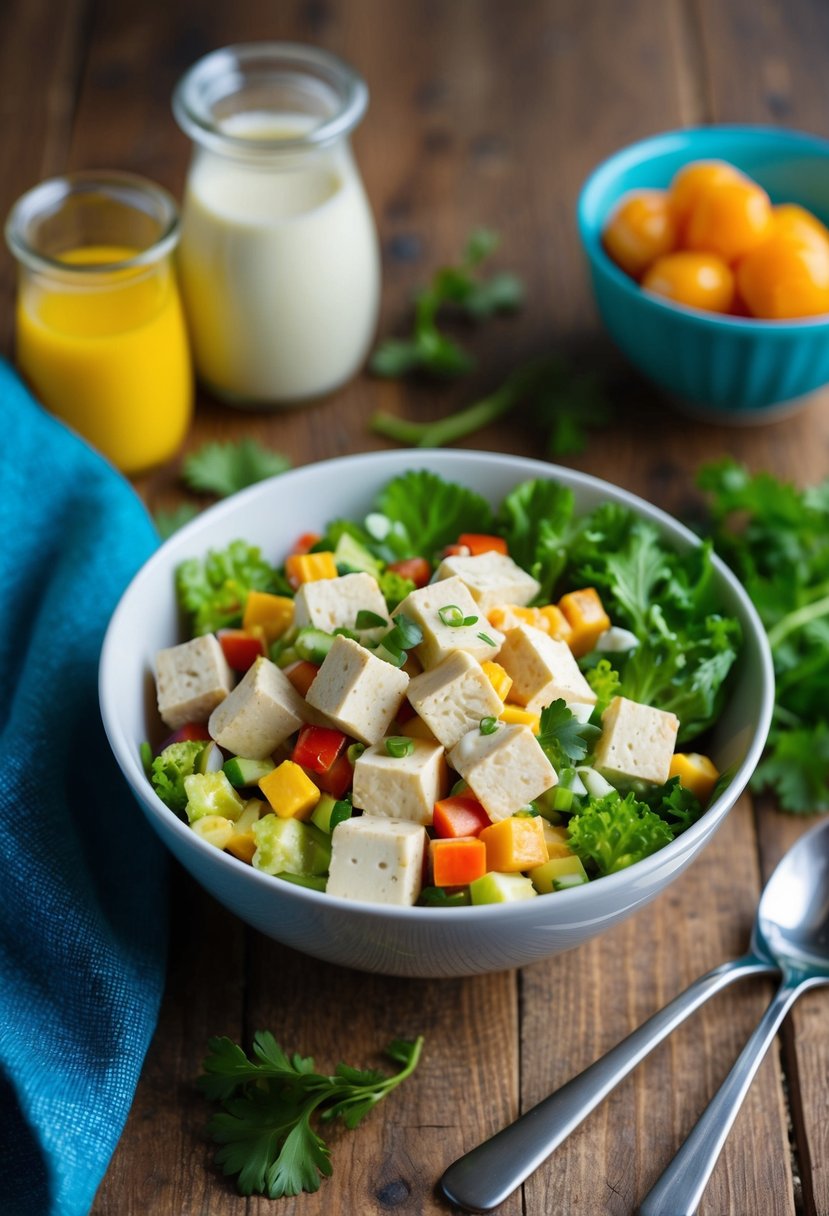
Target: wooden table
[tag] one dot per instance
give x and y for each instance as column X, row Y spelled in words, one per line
column 481, row 113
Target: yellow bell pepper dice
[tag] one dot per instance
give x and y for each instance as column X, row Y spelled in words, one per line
column 556, row 838
column 587, row 618
column 516, row 715
column 508, row 616
column 696, row 773
column 290, row 791
column 515, row 844
column 497, row 677
column 273, row 614
column 310, row 567
column 555, row 623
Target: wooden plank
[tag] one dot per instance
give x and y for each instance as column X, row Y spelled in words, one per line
column 41, row 51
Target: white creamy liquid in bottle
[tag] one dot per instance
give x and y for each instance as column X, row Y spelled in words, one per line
column 279, row 266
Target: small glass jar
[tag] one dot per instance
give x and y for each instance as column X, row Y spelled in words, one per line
column 100, row 331
column 279, row 259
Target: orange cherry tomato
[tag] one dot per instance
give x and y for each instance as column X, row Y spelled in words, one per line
column 695, row 179
column 785, row 277
column 698, row 280
column 730, row 221
column 640, row 229
column 792, row 220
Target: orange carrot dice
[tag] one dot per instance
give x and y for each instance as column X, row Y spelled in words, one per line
column 455, row 863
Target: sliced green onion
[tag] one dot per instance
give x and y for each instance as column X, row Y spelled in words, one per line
column 406, row 632
column 390, row 654
column 313, row 644
column 488, row 726
column 366, row 619
column 354, row 752
column 460, row 787
column 486, row 638
column 450, row 614
column 399, row 746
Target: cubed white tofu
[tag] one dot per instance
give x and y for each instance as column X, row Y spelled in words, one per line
column 357, row 691
column 636, row 743
column 377, row 860
column 504, row 770
column 543, row 670
column 191, row 680
column 260, row 713
column 401, row 788
column 333, row 603
column 491, row 579
column 423, row 606
column 453, row 697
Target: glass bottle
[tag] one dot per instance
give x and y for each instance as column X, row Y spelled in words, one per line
column 100, row 331
column 279, row 259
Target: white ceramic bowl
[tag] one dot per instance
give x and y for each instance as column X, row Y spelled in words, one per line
column 400, row 941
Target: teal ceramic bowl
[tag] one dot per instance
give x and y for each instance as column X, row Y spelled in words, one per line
column 732, row 369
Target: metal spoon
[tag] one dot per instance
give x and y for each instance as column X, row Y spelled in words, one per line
column 795, row 900
column 793, row 925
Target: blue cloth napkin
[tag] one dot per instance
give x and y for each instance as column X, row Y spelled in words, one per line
column 83, row 918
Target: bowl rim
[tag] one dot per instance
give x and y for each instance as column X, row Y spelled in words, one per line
column 395, row 462
column 638, row 153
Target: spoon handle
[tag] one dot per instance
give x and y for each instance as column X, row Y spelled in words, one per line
column 484, row 1177
column 678, row 1191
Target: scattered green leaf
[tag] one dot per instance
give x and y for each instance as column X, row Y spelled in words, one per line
column 225, row 468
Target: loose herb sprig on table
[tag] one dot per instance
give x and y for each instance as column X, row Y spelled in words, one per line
column 555, row 399
column 776, row 539
column 221, row 469
column 268, row 1104
column 462, row 287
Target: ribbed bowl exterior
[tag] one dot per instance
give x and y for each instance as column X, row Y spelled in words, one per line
column 736, row 368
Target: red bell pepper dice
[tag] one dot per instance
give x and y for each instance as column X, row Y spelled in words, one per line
column 338, row 778
column 461, row 815
column 418, row 569
column 306, row 542
column 317, row 747
column 481, row 542
column 240, row 648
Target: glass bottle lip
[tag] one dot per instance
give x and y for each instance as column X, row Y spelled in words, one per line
column 130, row 189
column 224, row 72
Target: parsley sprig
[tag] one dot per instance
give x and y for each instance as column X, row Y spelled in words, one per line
column 462, row 287
column 268, row 1103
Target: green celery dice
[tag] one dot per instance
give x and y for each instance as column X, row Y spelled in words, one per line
column 546, row 876
column 497, row 888
column 291, row 846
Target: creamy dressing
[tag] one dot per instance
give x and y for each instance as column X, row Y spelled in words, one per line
column 279, row 265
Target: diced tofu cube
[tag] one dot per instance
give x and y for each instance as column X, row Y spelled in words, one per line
column 260, row 713
column 423, row 606
column 636, row 743
column 543, row 670
column 191, row 680
column 357, row 691
column 453, row 697
column 401, row 788
column 333, row 603
column 504, row 770
column 491, row 578
column 377, row 860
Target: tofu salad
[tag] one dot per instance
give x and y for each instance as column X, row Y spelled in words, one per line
column 444, row 704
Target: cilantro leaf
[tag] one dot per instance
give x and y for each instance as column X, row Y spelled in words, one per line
column 536, row 520
column 430, row 513
column 796, row 767
column 264, row 1128
column 225, row 468
column 563, row 739
column 168, row 522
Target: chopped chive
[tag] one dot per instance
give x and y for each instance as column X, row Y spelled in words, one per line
column 488, row 726
column 366, row 619
column 486, row 638
column 406, row 632
column 354, row 752
column 399, row 746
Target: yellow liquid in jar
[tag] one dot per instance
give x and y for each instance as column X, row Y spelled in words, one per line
column 110, row 355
